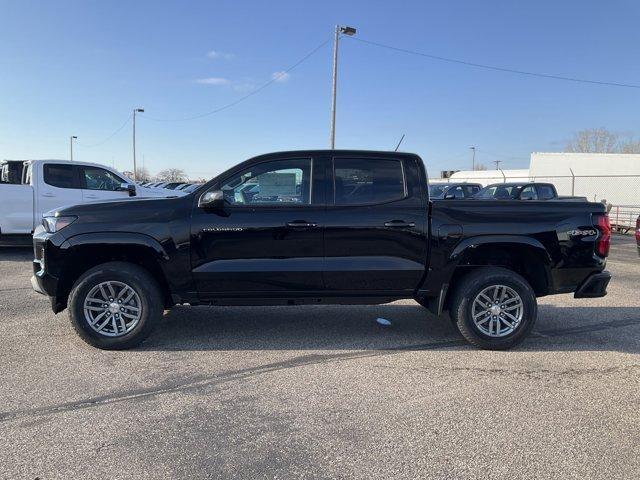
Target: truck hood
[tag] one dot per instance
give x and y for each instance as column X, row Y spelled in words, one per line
column 122, row 211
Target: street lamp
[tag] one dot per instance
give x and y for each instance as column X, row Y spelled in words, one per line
column 473, row 159
column 71, row 139
column 135, row 110
column 350, row 31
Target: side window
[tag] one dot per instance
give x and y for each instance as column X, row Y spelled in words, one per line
column 96, row 178
column 60, row 176
column 366, row 180
column 470, row 190
column 280, row 182
column 528, row 193
column 545, row 192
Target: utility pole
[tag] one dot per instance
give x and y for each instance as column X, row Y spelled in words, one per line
column 473, row 159
column 71, row 139
column 346, row 31
column 135, row 110
column 497, row 162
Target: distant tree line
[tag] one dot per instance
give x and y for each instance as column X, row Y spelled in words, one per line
column 601, row 140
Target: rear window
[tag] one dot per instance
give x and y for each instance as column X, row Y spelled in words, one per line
column 61, row 176
column 359, row 181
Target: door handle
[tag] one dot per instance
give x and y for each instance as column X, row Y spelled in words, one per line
column 301, row 224
column 92, row 196
column 399, row 224
column 48, row 194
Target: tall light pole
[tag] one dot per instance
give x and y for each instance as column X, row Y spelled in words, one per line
column 71, row 139
column 473, row 159
column 135, row 110
column 497, row 162
column 345, row 31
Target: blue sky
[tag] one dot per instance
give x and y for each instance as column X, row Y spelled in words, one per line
column 79, row 67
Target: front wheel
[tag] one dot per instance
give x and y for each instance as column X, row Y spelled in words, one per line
column 494, row 308
column 115, row 305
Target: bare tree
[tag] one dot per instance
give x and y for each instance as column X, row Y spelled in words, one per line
column 173, row 175
column 142, row 175
column 630, row 146
column 480, row 166
column 594, row 140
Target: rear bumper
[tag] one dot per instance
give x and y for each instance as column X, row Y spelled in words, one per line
column 594, row 286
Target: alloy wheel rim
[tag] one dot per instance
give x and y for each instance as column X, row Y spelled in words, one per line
column 112, row 309
column 497, row 311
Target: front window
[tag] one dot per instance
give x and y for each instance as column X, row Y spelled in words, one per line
column 100, row 179
column 280, row 182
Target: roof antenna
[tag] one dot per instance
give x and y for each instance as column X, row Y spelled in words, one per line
column 398, row 146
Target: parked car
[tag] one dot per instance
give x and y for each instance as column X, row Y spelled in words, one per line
column 11, row 171
column 192, row 187
column 48, row 184
column 518, row 191
column 171, row 185
column 439, row 191
column 309, row 239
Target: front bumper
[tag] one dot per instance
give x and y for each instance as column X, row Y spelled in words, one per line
column 594, row 286
column 42, row 280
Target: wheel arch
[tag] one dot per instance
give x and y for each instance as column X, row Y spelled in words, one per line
column 524, row 255
column 86, row 251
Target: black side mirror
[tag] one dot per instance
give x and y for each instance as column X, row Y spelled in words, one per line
column 213, row 200
column 449, row 196
column 128, row 187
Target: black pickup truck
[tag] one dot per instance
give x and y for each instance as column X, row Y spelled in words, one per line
column 318, row 227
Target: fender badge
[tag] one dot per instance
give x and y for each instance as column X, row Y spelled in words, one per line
column 223, row 229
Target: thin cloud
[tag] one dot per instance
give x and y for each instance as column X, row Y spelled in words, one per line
column 213, row 81
column 281, row 76
column 215, row 54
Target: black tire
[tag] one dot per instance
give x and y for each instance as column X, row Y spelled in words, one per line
column 138, row 279
column 471, row 286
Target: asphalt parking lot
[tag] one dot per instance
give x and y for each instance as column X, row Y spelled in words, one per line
column 322, row 392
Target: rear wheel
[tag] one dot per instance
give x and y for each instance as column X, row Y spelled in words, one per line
column 115, row 305
column 494, row 308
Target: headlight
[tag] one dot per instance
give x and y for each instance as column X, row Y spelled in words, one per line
column 55, row 224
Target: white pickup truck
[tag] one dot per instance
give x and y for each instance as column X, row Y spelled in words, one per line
column 49, row 184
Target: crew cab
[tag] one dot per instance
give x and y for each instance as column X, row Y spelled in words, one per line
column 312, row 228
column 48, row 184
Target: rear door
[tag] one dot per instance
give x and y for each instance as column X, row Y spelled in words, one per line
column 101, row 184
column 376, row 226
column 58, row 185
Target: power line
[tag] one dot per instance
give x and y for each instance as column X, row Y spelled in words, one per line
column 274, row 79
column 493, row 67
column 109, row 137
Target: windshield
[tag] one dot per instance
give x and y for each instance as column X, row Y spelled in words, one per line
column 436, row 190
column 500, row 192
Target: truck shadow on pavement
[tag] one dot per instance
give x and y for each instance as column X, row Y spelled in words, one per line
column 356, row 328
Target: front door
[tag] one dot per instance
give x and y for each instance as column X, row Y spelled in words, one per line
column 376, row 229
column 100, row 184
column 267, row 239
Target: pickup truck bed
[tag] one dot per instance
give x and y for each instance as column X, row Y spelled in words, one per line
column 316, row 227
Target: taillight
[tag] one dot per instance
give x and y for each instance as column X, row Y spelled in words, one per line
column 638, row 229
column 603, row 241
